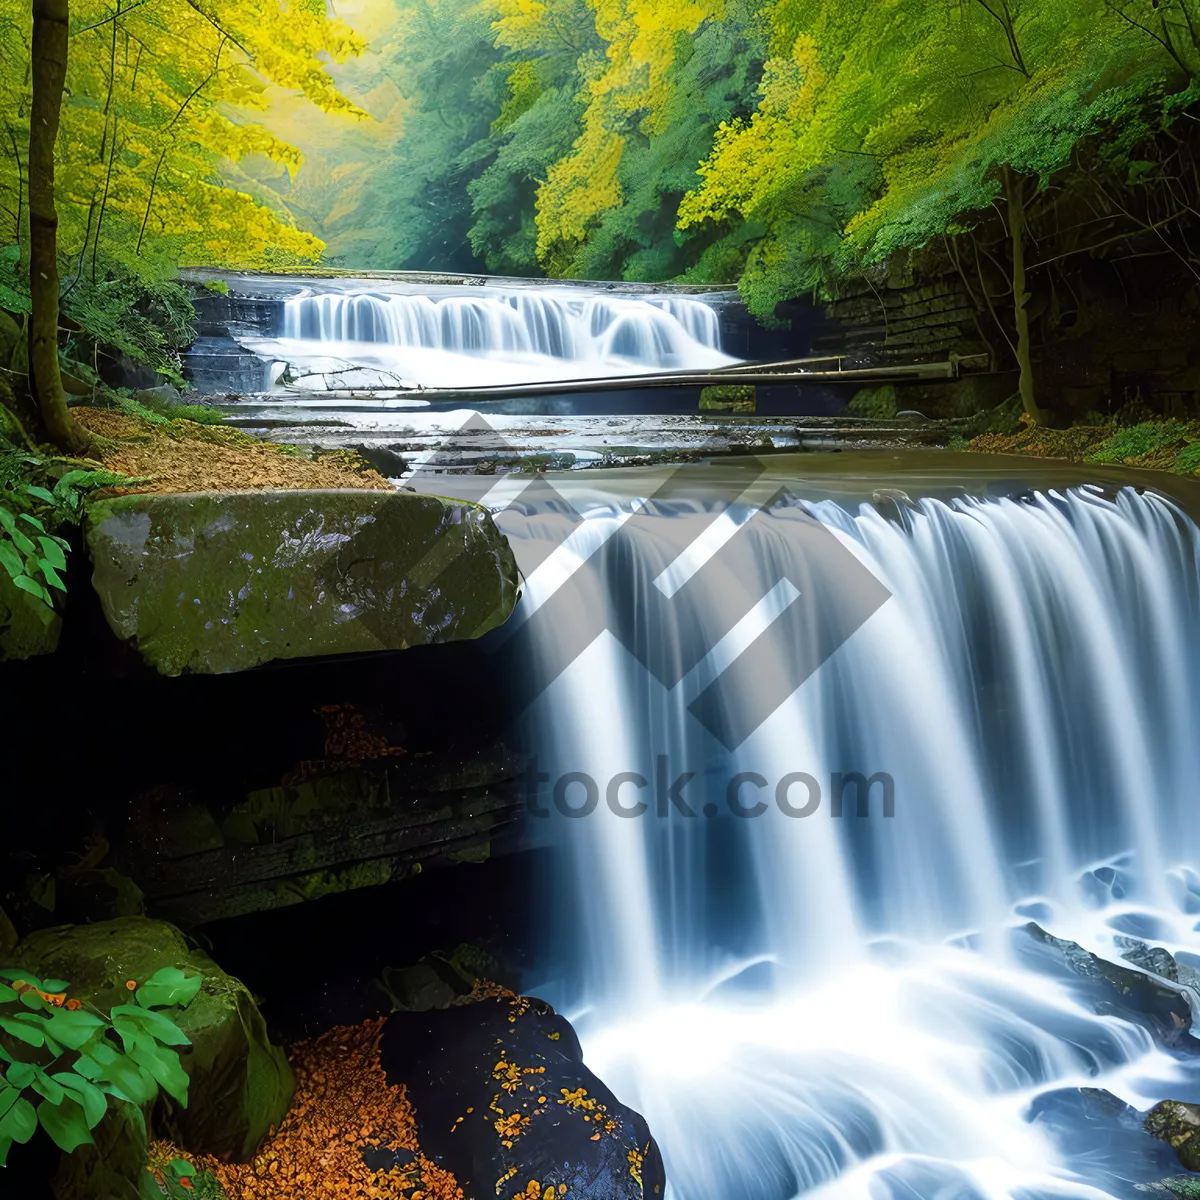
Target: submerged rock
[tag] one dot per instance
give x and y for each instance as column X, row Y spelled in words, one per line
column 1152, row 1003
column 503, row 1100
column 1185, row 1186
column 239, row 1084
column 215, row 582
column 1154, row 959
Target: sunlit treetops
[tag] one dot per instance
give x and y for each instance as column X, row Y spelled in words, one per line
column 884, row 132
column 162, row 104
column 774, row 143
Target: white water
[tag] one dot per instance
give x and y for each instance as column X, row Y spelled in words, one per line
column 848, row 1007
column 363, row 339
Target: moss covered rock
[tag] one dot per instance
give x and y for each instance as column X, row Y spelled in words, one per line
column 879, row 403
column 239, row 1084
column 223, row 581
column 1178, row 1124
column 27, row 626
column 729, row 398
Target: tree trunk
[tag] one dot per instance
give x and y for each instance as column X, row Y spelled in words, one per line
column 1014, row 192
column 50, row 19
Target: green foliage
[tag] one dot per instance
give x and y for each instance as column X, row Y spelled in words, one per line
column 35, row 500
column 878, row 402
column 180, row 1180
column 30, row 554
column 157, row 410
column 14, row 286
column 736, row 398
column 775, row 143
column 148, row 321
column 1187, row 460
column 65, row 1064
column 1135, row 440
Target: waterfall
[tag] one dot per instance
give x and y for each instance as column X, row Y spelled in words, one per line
column 852, row 1006
column 502, row 336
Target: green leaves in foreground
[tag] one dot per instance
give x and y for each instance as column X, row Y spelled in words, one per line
column 30, row 554
column 64, row 1063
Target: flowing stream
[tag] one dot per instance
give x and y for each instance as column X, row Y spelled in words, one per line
column 364, row 339
column 856, row 1006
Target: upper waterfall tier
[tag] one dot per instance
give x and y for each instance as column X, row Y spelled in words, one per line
column 516, row 336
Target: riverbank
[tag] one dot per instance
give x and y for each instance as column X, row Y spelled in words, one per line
column 1155, row 445
column 185, row 456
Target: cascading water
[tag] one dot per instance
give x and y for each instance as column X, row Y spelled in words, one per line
column 854, row 1006
column 513, row 336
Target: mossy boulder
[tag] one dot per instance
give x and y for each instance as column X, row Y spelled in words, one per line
column 878, row 403
column 224, row 581
column 240, row 1085
column 27, row 627
column 1178, row 1124
column 729, row 398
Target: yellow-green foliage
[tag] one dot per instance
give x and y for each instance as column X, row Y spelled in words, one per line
column 888, row 131
column 781, row 143
column 734, row 398
column 160, row 109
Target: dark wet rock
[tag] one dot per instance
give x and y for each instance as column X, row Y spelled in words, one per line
column 1177, row 1124
column 1154, row 959
column 1164, row 1011
column 388, row 462
column 239, row 1084
column 502, row 1099
column 216, row 582
column 436, row 981
column 380, row 1158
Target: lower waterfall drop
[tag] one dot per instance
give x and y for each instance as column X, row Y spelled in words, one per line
column 884, row 1007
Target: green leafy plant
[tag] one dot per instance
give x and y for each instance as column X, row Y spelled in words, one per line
column 179, row 1179
column 30, row 552
column 67, row 1063
column 149, row 321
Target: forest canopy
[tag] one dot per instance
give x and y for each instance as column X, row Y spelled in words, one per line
column 779, row 145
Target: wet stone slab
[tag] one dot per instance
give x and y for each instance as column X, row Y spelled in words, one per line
column 218, row 582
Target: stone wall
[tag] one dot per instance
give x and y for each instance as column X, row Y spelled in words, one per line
column 1108, row 342
column 901, row 321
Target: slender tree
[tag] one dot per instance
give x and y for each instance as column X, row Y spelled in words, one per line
column 1014, row 191
column 50, row 18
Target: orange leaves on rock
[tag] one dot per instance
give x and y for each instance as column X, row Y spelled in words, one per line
column 343, row 1103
